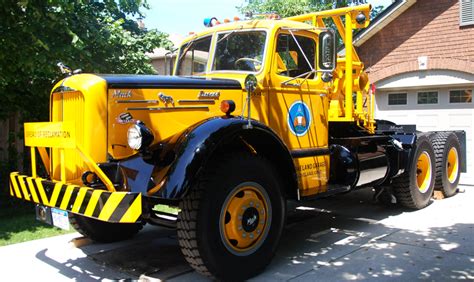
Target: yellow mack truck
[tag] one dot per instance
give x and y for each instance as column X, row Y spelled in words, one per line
column 258, row 112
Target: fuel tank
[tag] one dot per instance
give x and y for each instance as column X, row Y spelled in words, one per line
column 359, row 161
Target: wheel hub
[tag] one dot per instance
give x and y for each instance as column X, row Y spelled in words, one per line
column 452, row 165
column 250, row 219
column 423, row 172
column 245, row 219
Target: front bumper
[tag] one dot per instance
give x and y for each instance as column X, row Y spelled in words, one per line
column 116, row 207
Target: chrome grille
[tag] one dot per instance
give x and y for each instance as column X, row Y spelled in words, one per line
column 69, row 106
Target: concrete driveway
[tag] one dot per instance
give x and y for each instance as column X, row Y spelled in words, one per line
column 346, row 237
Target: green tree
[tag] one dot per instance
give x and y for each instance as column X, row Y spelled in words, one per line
column 288, row 8
column 93, row 35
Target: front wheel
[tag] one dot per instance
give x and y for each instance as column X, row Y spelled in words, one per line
column 414, row 188
column 231, row 221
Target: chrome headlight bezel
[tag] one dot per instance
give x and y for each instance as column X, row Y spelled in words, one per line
column 139, row 137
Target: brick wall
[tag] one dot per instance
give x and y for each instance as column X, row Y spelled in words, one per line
column 428, row 28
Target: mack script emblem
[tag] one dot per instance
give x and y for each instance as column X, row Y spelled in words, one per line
column 122, row 94
column 212, row 95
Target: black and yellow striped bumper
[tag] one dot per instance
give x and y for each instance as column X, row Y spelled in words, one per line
column 123, row 207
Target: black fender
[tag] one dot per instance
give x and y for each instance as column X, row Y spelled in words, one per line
column 192, row 149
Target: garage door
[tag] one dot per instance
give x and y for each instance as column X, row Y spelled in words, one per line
column 432, row 110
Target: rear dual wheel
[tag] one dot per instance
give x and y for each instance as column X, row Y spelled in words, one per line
column 414, row 188
column 447, row 149
column 231, row 221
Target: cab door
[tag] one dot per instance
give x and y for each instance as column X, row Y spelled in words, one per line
column 298, row 108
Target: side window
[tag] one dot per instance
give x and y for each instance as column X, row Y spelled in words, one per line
column 291, row 61
column 193, row 57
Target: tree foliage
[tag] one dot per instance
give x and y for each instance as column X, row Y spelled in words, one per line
column 288, row 8
column 93, row 35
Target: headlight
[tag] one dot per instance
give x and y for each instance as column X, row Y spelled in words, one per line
column 139, row 136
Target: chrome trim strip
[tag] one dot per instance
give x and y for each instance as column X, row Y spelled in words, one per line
column 208, row 101
column 168, row 108
column 137, row 101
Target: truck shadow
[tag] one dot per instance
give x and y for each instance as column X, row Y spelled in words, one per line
column 339, row 238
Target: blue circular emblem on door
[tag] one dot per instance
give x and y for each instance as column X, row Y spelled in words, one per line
column 299, row 118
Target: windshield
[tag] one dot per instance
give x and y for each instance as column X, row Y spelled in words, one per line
column 193, row 57
column 239, row 51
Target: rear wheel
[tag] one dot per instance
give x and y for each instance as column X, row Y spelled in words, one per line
column 231, row 221
column 447, row 149
column 414, row 188
column 101, row 231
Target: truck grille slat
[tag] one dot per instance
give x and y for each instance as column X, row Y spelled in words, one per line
column 69, row 106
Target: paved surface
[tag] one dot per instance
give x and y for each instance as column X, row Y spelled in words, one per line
column 346, row 237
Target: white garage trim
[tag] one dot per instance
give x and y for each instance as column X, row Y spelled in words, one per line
column 426, row 79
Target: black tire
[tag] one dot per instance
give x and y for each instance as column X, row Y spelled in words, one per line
column 447, row 148
column 101, row 231
column 205, row 224
column 414, row 188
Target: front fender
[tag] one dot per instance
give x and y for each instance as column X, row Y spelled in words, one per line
column 197, row 144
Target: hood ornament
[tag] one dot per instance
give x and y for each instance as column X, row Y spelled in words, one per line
column 165, row 99
column 67, row 70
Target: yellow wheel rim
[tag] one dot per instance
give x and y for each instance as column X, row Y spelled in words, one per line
column 423, row 172
column 452, row 165
column 245, row 218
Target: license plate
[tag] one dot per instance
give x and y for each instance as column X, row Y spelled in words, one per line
column 60, row 218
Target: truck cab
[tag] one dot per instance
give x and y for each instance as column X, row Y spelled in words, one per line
column 291, row 97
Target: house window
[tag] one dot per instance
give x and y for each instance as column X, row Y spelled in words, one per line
column 466, row 12
column 397, row 98
column 460, row 96
column 427, row 97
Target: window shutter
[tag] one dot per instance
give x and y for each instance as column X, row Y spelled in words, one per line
column 466, row 12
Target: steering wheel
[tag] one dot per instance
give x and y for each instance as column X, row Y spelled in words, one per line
column 251, row 60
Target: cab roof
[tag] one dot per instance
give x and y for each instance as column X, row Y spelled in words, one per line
column 250, row 24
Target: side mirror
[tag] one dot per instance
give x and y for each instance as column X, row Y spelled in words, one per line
column 327, row 51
